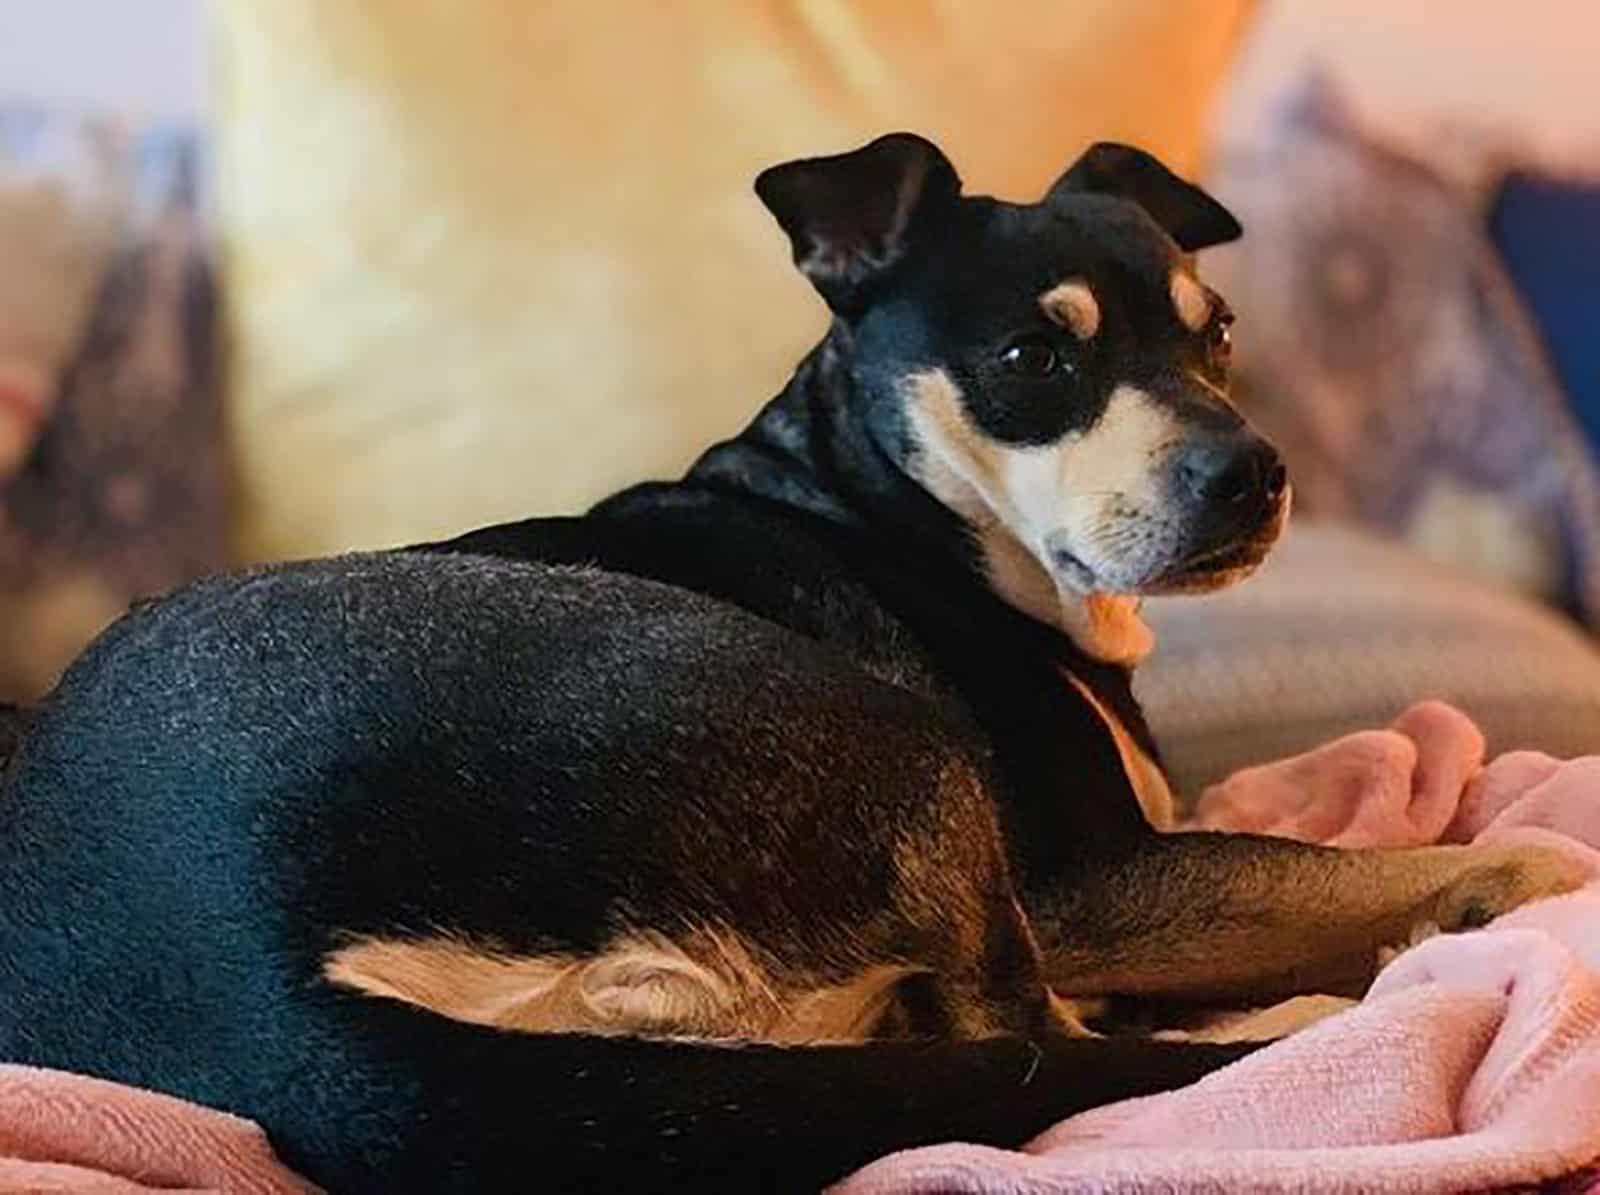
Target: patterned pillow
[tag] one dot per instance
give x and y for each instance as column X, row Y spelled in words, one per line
column 1382, row 346
column 111, row 479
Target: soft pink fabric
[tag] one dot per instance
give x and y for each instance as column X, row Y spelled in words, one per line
column 1473, row 1064
column 71, row 1133
column 1395, row 787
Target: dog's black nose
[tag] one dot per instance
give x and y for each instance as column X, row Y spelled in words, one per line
column 1232, row 470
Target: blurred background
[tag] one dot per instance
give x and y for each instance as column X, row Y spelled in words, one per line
column 291, row 278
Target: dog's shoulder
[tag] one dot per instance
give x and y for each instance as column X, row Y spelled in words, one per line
column 763, row 557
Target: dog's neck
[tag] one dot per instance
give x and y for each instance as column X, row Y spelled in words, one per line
column 810, row 449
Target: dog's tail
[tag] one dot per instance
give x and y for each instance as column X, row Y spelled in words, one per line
column 557, row 1113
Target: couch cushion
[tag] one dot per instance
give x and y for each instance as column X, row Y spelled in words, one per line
column 493, row 259
column 1340, row 632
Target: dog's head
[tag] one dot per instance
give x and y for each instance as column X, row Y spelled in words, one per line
column 1056, row 373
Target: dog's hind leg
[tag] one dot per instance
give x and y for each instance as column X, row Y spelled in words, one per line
column 1222, row 916
column 910, row 928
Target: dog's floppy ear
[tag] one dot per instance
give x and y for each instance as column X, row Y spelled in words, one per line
column 852, row 216
column 1190, row 216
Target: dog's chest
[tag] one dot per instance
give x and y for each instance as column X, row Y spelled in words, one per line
column 1145, row 775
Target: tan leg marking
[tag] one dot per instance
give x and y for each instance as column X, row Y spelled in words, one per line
column 1263, row 1024
column 707, row 987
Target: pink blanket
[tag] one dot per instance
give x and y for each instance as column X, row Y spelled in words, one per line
column 70, row 1133
column 1473, row 1063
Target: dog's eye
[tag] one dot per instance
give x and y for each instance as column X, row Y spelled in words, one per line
column 1222, row 338
column 1033, row 357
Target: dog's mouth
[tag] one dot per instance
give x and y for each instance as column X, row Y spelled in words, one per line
column 1204, row 571
column 1215, row 568
column 1219, row 565
column 1210, row 567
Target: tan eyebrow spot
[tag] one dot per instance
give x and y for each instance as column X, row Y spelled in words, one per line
column 1072, row 305
column 1190, row 300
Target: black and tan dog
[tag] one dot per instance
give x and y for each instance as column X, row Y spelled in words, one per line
column 462, row 868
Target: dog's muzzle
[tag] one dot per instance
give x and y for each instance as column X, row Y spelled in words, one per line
column 1231, row 492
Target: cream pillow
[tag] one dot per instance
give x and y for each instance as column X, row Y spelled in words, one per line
column 495, row 258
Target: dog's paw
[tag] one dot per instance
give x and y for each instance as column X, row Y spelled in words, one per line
column 1505, row 878
column 1420, row 932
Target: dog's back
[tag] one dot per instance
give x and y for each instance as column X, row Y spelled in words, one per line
column 13, row 725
